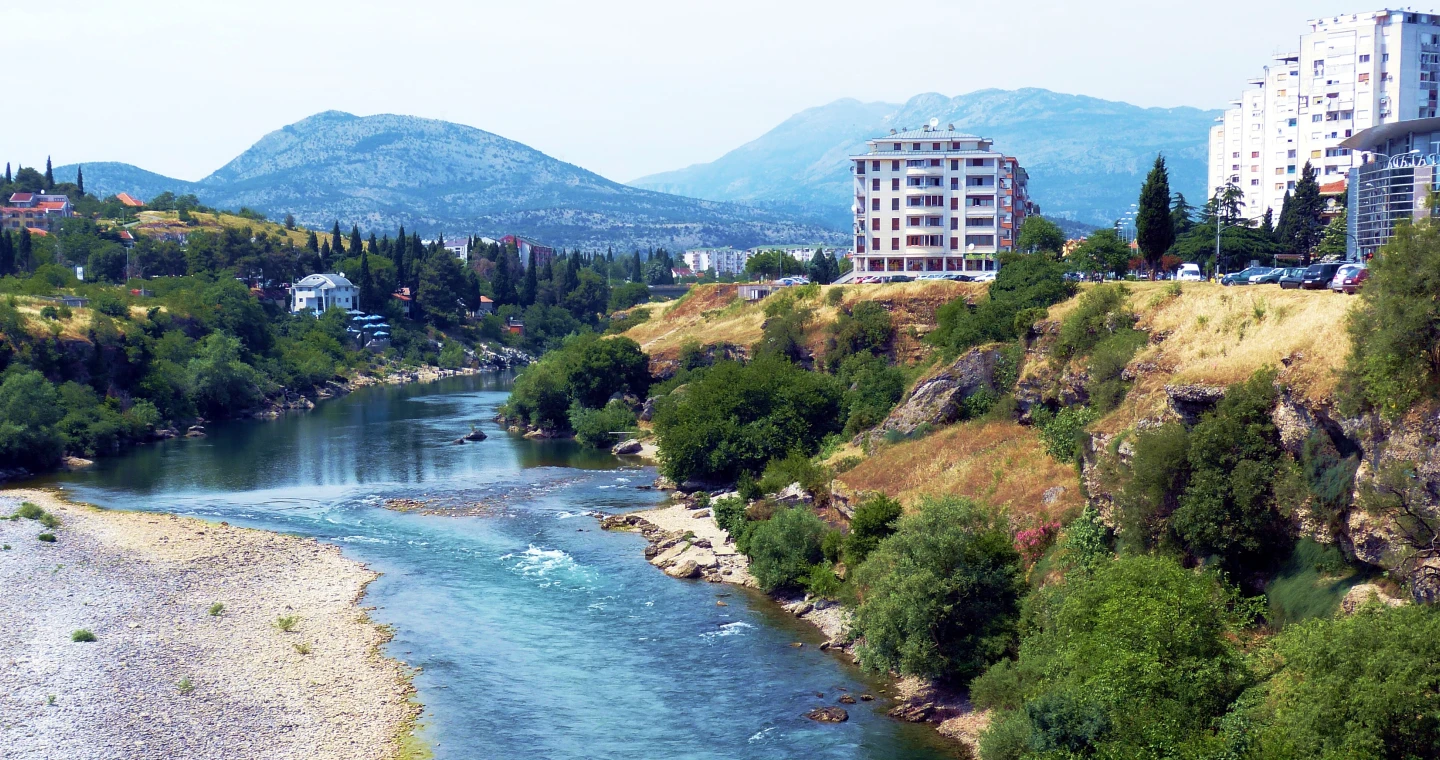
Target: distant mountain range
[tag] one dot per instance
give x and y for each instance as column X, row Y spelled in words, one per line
column 437, row 177
column 1086, row 157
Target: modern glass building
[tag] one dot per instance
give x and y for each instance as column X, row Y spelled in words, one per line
column 1395, row 181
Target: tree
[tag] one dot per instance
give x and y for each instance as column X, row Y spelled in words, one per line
column 1267, row 222
column 1182, row 213
column 635, row 272
column 1040, row 235
column 8, row 178
column 289, row 221
column 940, row 598
column 337, row 243
column 1333, row 240
column 49, row 174
column 1133, row 659
column 1302, row 230
column 439, row 291
column 219, row 381
column 783, row 548
column 529, row 284
column 355, row 244
column 29, row 413
column 80, row 179
column 1103, row 252
column 1154, row 226
column 367, row 284
column 402, row 278
column 25, row 251
column 773, row 263
column 7, row 254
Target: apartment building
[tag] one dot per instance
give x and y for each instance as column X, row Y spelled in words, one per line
column 544, row 254
column 723, row 260
column 936, row 200
column 35, row 210
column 1350, row 73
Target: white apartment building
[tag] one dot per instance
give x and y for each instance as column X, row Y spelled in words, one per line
column 722, row 260
column 320, row 292
column 1351, row 72
column 801, row 253
column 932, row 200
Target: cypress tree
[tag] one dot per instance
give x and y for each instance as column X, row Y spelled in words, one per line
column 80, row 178
column 312, row 243
column 502, row 281
column 49, row 174
column 337, row 243
column 324, row 254
column 529, row 284
column 7, row 254
column 636, row 275
column 367, row 285
column 8, row 178
column 397, row 254
column 1154, row 227
column 23, row 250
column 1287, row 221
column 356, row 246
column 374, row 245
column 1267, row 224
column 1306, row 226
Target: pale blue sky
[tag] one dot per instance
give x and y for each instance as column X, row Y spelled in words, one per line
column 624, row 88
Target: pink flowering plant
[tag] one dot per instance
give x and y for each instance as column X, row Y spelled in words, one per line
column 1032, row 543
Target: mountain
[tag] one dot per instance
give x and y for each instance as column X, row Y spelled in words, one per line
column 1086, row 157
column 438, row 177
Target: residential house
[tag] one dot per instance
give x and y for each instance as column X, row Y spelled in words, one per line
column 487, row 306
column 127, row 199
column 35, row 211
column 407, row 301
column 319, row 292
column 524, row 246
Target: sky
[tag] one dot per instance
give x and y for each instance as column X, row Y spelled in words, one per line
column 624, row 88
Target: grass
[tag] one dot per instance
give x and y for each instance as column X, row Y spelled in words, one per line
column 287, row 623
column 184, row 686
column 5, row 547
column 1311, row 584
column 998, row 463
column 216, row 609
column 48, row 538
column 29, row 511
column 49, row 521
column 302, row 647
column 50, row 700
column 82, row 635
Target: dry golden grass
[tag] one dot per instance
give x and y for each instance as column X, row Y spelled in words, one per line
column 997, row 463
column 74, row 328
column 157, row 222
column 713, row 314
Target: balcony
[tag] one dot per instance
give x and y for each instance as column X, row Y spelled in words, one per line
column 924, row 171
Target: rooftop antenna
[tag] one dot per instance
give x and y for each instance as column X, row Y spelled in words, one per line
column 934, row 122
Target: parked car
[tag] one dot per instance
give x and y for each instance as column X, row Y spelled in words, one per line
column 1318, row 276
column 1269, row 278
column 895, row 278
column 983, row 277
column 958, row 277
column 1292, row 278
column 1243, row 276
column 1349, row 278
column 1189, row 273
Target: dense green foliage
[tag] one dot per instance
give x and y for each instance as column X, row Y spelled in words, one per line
column 1024, row 287
column 1154, row 226
column 1394, row 358
column 939, row 597
column 597, row 427
column 783, row 548
column 872, row 388
column 740, row 416
column 1040, row 235
column 586, row 371
column 874, row 521
column 1133, row 659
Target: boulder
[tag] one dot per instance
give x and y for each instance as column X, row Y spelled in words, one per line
column 847, row 700
column 793, row 494
column 1359, row 595
column 698, row 514
column 626, row 448
column 647, row 409
column 828, row 715
column 938, row 399
column 474, row 435
column 685, row 568
column 1191, row 401
column 912, row 712
column 195, row 431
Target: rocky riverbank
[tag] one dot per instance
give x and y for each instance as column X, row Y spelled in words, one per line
column 210, row 641
column 684, row 541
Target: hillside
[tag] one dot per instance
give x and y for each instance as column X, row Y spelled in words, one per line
column 1087, row 157
column 437, row 177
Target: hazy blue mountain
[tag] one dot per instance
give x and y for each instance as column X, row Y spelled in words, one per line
column 435, row 176
column 1086, row 157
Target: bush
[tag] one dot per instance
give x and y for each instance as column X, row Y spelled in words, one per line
column 49, row 312
column 1100, row 314
column 1023, row 283
column 1136, row 659
column 874, row 521
column 29, row 511
column 783, row 548
column 594, row 427
column 110, row 305
column 738, row 417
column 50, row 521
column 940, row 596
column 821, row 580
column 834, row 295
column 1108, row 360
column 730, row 514
column 865, row 328
column 48, row 538
column 797, row 468
column 82, row 635
column 216, row 609
column 1361, row 685
column 287, row 623
column 1061, row 433
column 586, row 370
column 873, row 387
column 626, row 295
column 1158, row 473
column 1394, row 358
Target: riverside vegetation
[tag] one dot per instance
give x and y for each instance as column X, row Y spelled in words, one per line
column 1189, row 609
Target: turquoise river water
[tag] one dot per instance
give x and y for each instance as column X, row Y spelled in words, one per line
column 539, row 635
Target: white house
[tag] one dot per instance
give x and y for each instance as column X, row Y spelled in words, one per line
column 319, row 292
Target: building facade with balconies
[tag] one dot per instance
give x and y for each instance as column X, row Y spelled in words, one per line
column 936, row 200
column 1351, row 72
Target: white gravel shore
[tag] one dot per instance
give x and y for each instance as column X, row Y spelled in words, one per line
column 165, row 678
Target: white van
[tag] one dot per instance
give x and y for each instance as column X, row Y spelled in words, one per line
column 1189, row 273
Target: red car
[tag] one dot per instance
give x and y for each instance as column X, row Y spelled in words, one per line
column 1354, row 279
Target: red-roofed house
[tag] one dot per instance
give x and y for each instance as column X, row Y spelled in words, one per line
column 1330, row 194
column 35, row 211
column 129, row 200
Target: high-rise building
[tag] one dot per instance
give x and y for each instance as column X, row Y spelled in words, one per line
column 936, row 200
column 1350, row 72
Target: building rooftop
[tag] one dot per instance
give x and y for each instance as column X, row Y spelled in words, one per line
column 929, row 134
column 128, row 199
column 324, row 280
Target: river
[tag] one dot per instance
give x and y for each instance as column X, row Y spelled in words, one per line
column 538, row 635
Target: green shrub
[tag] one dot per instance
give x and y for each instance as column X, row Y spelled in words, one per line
column 82, row 635
column 586, row 370
column 738, row 417
column 1331, row 478
column 846, row 464
column 833, row 547
column 874, row 521
column 748, row 488
column 1158, row 473
column 1360, row 685
column 50, row 521
column 1023, row 283
column 873, row 387
column 594, row 427
column 783, row 548
column 216, row 609
column 834, row 295
column 184, row 686
column 30, row 511
column 783, row 335
column 48, row 538
column 729, row 514
column 110, row 305
column 1006, row 738
column 939, row 597
column 1108, row 360
column 864, row 328
column 287, row 623
column 49, row 312
column 1311, row 584
column 1101, row 312
column 822, row 582
column 1061, row 433
column 797, row 468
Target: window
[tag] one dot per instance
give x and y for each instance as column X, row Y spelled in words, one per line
column 934, row 221
column 915, row 146
column 1254, row 183
column 954, row 204
column 1365, row 58
column 874, row 204
column 915, row 163
column 1290, row 123
column 1235, row 154
column 875, row 244
column 936, row 163
column 875, row 224
column 954, row 243
column 895, row 223
column 1290, row 169
column 859, row 167
column 1280, row 93
column 1365, row 77
column 875, row 166
column 875, row 185
column 954, row 183
column 894, row 244
column 935, row 146
column 1254, row 154
column 1317, row 117
column 913, row 221
column 894, row 204
column 897, row 146
column 954, row 222
column 1314, row 154
column 954, row 164
column 1290, row 154
column 980, row 221
column 1254, row 167
column 1279, row 170
column 979, row 240
column 954, row 146
column 895, row 166
column 895, row 184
